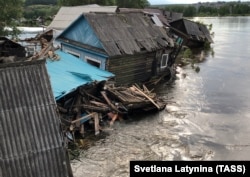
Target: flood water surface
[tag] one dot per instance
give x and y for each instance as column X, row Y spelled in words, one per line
column 207, row 118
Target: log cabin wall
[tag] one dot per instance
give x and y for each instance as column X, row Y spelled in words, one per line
column 132, row 68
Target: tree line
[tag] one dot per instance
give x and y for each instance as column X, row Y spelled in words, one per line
column 120, row 3
column 231, row 8
column 14, row 10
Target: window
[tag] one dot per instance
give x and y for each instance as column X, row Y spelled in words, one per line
column 93, row 61
column 164, row 61
column 73, row 53
column 30, row 50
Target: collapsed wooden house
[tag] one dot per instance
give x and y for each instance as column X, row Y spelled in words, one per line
column 99, row 104
column 194, row 34
column 85, row 93
column 164, row 16
column 11, row 48
column 173, row 16
column 10, row 51
column 130, row 45
column 31, row 140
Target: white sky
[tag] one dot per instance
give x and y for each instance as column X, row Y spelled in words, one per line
column 153, row 2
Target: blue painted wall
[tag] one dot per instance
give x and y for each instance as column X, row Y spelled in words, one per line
column 83, row 54
column 80, row 31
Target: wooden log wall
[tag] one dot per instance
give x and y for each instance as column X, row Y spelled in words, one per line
column 131, row 69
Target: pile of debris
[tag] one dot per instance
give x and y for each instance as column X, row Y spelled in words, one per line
column 96, row 103
column 47, row 50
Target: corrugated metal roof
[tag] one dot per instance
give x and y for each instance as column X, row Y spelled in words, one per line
column 69, row 72
column 66, row 15
column 128, row 33
column 31, row 143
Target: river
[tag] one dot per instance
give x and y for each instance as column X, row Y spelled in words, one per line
column 208, row 117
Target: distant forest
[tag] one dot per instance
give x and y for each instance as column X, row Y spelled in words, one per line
column 43, row 2
column 41, row 12
column 120, row 3
column 46, row 9
column 219, row 8
column 211, row 9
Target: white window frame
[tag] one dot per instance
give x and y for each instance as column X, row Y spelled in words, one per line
column 73, row 53
column 93, row 59
column 166, row 60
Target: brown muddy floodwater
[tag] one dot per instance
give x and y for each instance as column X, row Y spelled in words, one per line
column 208, row 118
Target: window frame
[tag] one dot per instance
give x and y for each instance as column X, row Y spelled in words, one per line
column 166, row 60
column 88, row 58
column 78, row 55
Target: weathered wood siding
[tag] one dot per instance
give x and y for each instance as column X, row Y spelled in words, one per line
column 131, row 69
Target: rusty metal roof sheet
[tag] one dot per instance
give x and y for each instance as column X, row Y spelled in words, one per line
column 31, row 142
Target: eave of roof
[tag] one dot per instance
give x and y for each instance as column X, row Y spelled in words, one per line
column 69, row 72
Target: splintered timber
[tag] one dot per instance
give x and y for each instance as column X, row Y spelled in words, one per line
column 176, row 168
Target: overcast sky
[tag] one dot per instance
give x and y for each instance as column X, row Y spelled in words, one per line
column 153, row 2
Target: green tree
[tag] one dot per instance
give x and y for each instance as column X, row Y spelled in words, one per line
column 240, row 9
column 11, row 12
column 43, row 2
column 207, row 11
column 132, row 3
column 189, row 11
column 175, row 8
column 224, row 10
column 85, row 2
column 120, row 3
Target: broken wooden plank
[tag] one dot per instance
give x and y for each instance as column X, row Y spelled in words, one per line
column 103, row 109
column 82, row 118
column 77, row 109
column 109, row 102
column 150, row 99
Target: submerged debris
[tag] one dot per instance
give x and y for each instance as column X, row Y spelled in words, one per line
column 100, row 104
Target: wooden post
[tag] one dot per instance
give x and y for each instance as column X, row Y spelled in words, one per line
column 96, row 121
column 82, row 130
